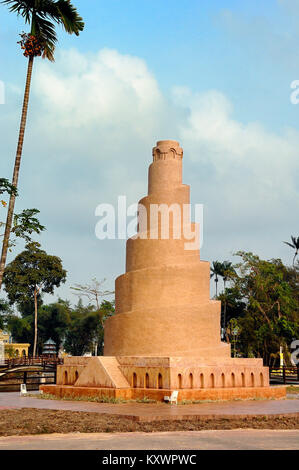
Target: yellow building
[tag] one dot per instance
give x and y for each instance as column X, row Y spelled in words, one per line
column 13, row 349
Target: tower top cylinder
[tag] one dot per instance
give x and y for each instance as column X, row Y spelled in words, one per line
column 167, row 150
column 165, row 173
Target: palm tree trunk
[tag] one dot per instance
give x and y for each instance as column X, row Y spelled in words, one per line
column 35, row 321
column 11, row 206
column 296, row 253
column 224, row 314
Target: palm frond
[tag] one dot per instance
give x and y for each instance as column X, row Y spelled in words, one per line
column 295, row 242
column 63, row 13
column 42, row 15
column 72, row 22
column 44, row 30
column 289, row 244
column 23, row 8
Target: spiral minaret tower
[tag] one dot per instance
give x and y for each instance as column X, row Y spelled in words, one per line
column 163, row 304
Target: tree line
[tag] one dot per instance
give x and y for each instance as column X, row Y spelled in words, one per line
column 77, row 329
column 259, row 304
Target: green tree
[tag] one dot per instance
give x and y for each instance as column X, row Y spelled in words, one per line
column 41, row 15
column 10, row 351
column 25, row 223
column 5, row 311
column 80, row 334
column 107, row 310
column 21, row 329
column 216, row 270
column 94, row 292
column 234, row 305
column 6, row 187
column 228, row 272
column 233, row 331
column 269, row 292
column 53, row 320
column 86, row 332
column 32, row 273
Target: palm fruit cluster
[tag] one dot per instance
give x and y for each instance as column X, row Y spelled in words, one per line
column 30, row 45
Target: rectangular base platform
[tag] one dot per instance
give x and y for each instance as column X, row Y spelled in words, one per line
column 276, row 392
column 170, row 373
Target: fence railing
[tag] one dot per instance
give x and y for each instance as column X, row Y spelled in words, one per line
column 284, row 374
column 42, row 361
column 11, row 381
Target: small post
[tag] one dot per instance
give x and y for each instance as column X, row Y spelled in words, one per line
column 23, row 390
column 284, row 374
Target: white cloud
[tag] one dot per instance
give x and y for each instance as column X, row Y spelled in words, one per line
column 261, row 165
column 107, row 89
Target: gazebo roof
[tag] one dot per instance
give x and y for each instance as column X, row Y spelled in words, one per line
column 50, row 341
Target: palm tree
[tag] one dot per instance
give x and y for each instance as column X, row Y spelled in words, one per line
column 216, row 270
column 227, row 272
column 295, row 246
column 41, row 15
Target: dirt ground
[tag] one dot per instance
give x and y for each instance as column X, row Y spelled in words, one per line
column 27, row 421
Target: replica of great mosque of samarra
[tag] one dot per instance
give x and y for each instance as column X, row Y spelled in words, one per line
column 165, row 335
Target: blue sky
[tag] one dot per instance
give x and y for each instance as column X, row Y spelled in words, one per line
column 214, row 75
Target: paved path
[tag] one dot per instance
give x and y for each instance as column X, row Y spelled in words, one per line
column 240, row 439
column 150, row 412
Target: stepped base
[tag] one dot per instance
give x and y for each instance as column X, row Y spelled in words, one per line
column 136, row 377
column 60, row 391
